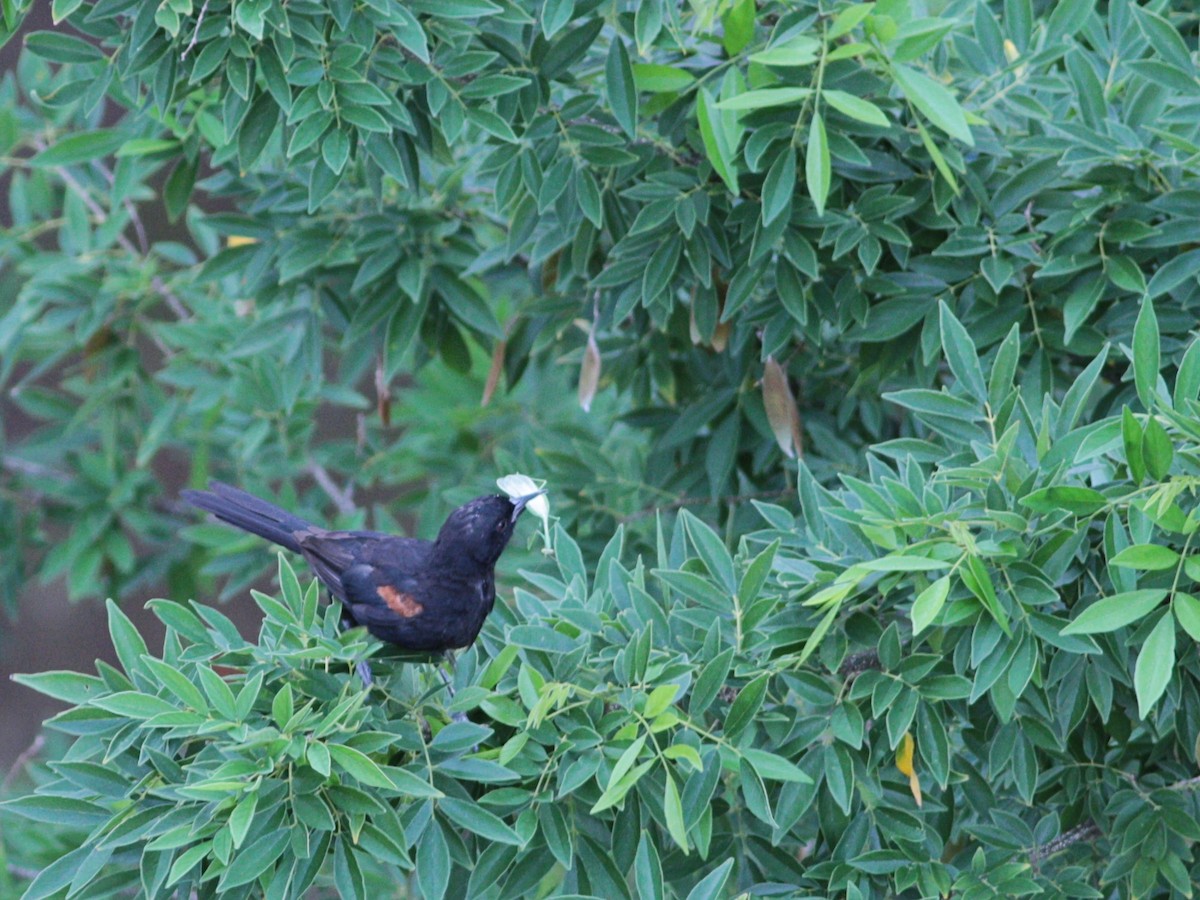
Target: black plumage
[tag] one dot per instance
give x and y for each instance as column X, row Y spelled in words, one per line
column 417, row 594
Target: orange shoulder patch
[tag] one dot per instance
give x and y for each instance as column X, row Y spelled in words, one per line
column 402, row 604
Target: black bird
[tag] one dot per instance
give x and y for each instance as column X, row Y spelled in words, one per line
column 416, row 594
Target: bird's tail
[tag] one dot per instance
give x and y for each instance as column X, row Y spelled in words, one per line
column 247, row 512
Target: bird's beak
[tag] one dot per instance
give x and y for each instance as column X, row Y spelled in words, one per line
column 519, row 503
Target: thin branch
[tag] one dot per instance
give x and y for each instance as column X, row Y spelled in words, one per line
column 195, row 32
column 342, row 499
column 22, row 872
column 857, row 663
column 1088, row 831
column 160, row 286
column 29, row 467
column 23, row 760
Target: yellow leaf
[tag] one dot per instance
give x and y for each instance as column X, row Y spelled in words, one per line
column 240, row 240
column 904, row 754
column 904, row 762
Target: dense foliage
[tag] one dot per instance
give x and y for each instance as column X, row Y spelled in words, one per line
column 946, row 251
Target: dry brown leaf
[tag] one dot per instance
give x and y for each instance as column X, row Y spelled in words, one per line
column 780, row 405
column 383, row 393
column 589, row 372
column 494, row 372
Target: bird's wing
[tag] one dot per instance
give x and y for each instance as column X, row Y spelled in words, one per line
column 363, row 567
column 332, row 553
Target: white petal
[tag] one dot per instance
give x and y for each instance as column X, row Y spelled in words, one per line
column 518, row 485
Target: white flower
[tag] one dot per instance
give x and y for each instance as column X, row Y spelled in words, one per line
column 518, row 485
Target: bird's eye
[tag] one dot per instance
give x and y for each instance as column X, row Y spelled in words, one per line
column 501, row 525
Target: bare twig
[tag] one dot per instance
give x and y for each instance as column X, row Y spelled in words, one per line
column 160, row 286
column 195, row 32
column 22, row 872
column 1088, row 831
column 857, row 663
column 342, row 499
column 29, row 467
column 23, row 760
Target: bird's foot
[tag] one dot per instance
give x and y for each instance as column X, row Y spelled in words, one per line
column 364, row 672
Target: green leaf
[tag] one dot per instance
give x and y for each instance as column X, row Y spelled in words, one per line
column 929, row 603
column 61, row 9
column 1157, row 450
column 647, row 870
column 935, row 102
column 818, row 172
column 712, row 885
column 779, row 185
column 241, row 818
column 1115, row 612
column 766, row 98
column 72, row 687
column 1146, row 360
column 126, row 640
column 1066, row 18
column 1187, row 379
column 147, row 146
column 1132, row 438
column 1146, row 557
column 660, row 698
column 856, row 108
column 712, row 550
column 660, row 79
column 61, row 47
column 177, row 683
column 539, row 637
column 1164, row 37
column 335, row 150
column 800, row 50
column 1080, row 501
column 1079, row 306
column 256, row 130
column 622, row 95
column 745, row 707
column 433, row 862
column 60, row 811
column 738, row 27
column 359, row 765
column 1171, row 274
column 673, row 811
column 1124, row 273
column 716, row 145
column 899, row 562
column 255, row 859
column 77, row 148
column 961, row 353
column 1155, row 664
column 282, row 707
column 1187, row 613
column 711, row 680
column 476, row 819
column 774, row 767
column 408, row 31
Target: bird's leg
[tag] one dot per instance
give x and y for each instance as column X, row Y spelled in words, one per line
column 449, row 657
column 362, row 666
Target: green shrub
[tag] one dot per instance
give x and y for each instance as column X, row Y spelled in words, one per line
column 1008, row 594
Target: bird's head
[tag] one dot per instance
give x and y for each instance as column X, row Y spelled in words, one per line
column 480, row 530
